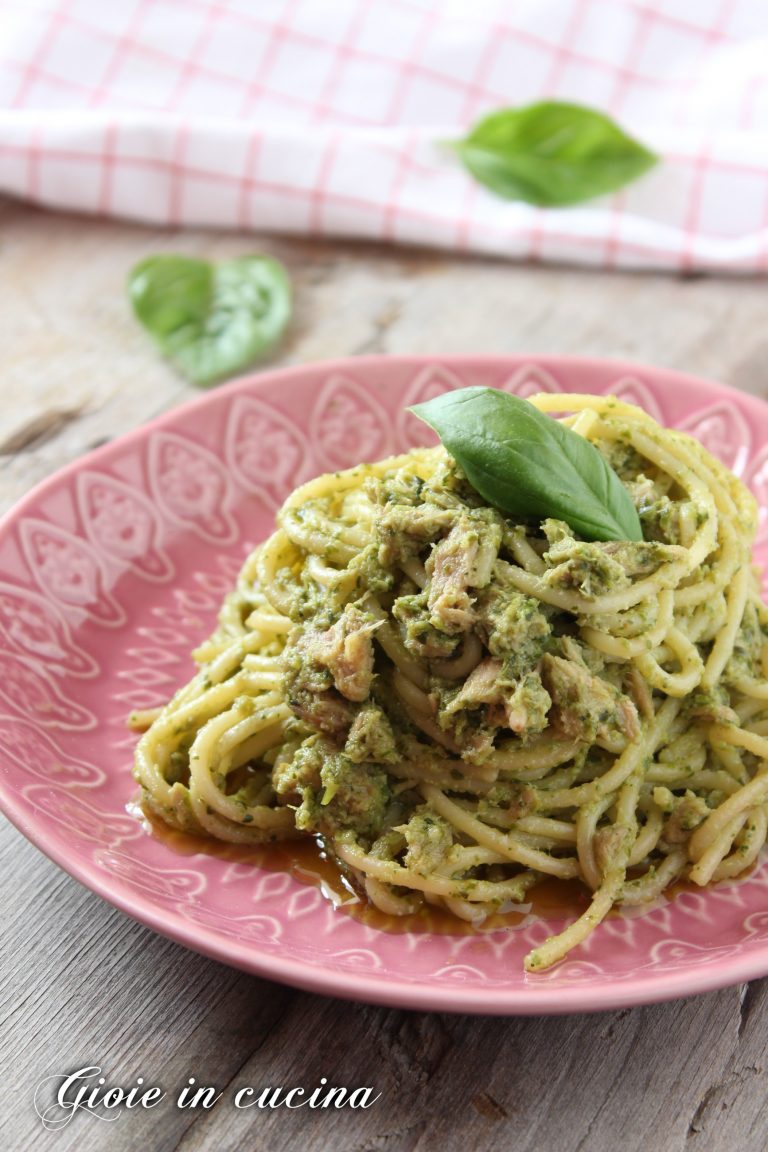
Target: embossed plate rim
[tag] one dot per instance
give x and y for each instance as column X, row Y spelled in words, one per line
column 523, row 995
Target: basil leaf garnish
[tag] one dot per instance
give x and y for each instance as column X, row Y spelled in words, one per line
column 211, row 320
column 552, row 154
column 529, row 465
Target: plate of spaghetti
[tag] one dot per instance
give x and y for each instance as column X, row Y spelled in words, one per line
column 479, row 725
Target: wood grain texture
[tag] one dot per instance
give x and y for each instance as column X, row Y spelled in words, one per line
column 83, row 984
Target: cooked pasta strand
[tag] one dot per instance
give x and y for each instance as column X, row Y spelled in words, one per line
column 460, row 704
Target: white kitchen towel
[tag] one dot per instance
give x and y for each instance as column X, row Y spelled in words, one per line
column 327, row 117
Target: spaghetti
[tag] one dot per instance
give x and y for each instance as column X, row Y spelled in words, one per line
column 460, row 705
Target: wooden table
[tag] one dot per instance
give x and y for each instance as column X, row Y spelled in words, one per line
column 85, row 985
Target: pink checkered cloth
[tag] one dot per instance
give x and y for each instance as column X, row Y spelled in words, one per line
column 325, row 116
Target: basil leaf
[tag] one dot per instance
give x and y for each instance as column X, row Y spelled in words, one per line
column 552, row 154
column 529, row 465
column 211, row 320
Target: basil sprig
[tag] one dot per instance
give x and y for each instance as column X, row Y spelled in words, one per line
column 552, row 154
column 211, row 320
column 529, row 465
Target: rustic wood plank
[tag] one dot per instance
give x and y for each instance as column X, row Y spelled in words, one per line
column 85, row 985
column 112, row 993
column 79, row 371
column 733, row 1112
column 82, row 983
column 134, row 1003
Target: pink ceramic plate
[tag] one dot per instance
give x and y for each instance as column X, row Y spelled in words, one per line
column 112, row 570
